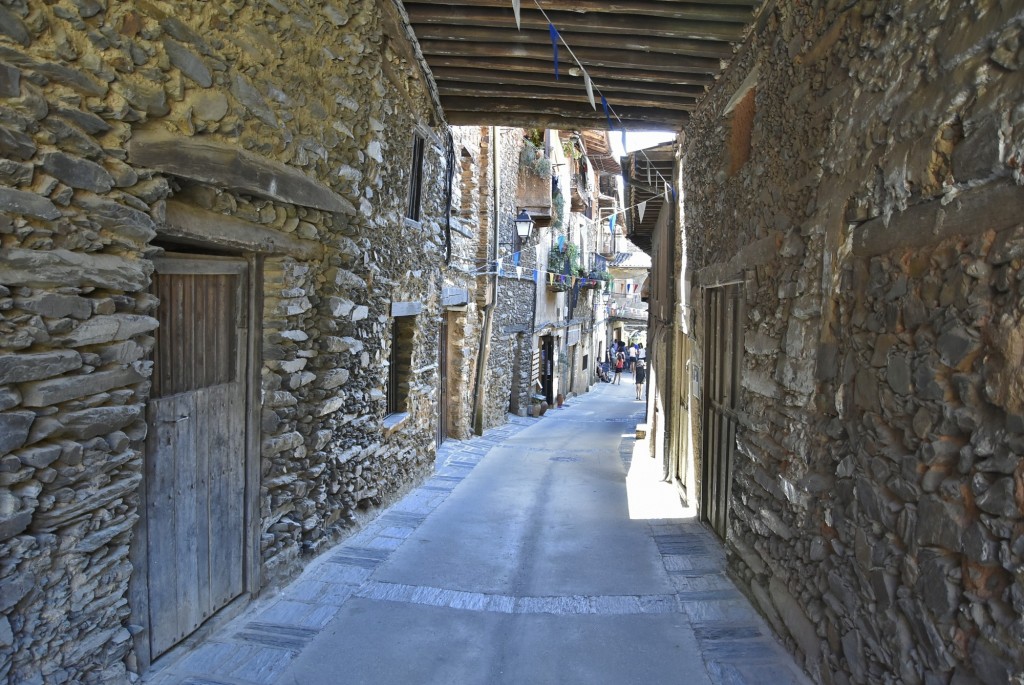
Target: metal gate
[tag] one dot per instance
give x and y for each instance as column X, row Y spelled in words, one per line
column 723, row 346
column 196, row 448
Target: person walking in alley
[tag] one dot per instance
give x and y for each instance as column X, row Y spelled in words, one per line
column 620, row 362
column 632, row 357
column 639, row 373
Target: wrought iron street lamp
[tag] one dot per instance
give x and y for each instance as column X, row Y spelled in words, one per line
column 524, row 225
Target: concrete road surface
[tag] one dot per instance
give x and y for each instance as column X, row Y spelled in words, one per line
column 545, row 552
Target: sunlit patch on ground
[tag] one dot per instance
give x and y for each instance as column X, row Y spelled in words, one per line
column 648, row 495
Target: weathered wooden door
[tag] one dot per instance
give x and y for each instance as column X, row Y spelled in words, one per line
column 547, row 368
column 442, row 361
column 722, row 348
column 196, row 449
column 680, row 386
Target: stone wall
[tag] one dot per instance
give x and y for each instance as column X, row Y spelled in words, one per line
column 876, row 503
column 465, row 327
column 513, row 308
column 324, row 100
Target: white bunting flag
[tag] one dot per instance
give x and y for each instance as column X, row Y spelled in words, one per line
column 519, row 272
column 641, row 208
column 515, row 10
column 590, row 90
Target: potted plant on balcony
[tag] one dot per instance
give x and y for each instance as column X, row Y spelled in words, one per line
column 557, row 280
column 533, row 160
column 572, row 254
column 533, row 192
column 597, row 279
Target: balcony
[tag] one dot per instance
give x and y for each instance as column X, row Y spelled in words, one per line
column 622, row 307
column 534, row 188
column 607, row 245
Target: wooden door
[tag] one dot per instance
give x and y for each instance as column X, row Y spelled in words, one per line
column 547, row 368
column 722, row 349
column 680, row 387
column 196, row 449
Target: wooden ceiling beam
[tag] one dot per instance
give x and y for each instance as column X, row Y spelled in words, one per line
column 616, row 100
column 600, row 75
column 595, row 22
column 741, row 11
column 511, row 53
column 551, row 120
column 450, row 76
column 670, row 46
column 509, row 105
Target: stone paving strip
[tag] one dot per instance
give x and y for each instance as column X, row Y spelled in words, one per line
column 257, row 647
column 564, row 605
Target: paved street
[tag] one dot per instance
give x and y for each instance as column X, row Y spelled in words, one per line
column 531, row 557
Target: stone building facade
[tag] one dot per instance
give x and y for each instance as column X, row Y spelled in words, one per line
column 569, row 321
column 851, row 230
column 508, row 345
column 228, row 247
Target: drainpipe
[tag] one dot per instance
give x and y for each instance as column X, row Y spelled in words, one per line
column 485, row 336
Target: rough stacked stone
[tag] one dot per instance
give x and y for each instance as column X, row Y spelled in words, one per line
column 464, row 331
column 876, row 504
column 514, row 308
column 936, row 421
column 288, row 83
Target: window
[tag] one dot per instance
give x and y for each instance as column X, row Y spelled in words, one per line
column 741, row 110
column 742, row 126
column 415, row 179
column 400, row 363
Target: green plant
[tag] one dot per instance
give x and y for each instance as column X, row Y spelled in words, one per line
column 535, row 136
column 572, row 251
column 557, row 210
column 533, row 160
column 571, row 150
column 556, row 261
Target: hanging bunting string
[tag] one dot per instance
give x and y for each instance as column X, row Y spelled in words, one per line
column 499, row 267
column 609, row 111
column 554, row 44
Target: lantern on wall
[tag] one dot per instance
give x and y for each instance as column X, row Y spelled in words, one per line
column 524, row 225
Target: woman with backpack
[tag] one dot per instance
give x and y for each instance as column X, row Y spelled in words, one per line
column 620, row 362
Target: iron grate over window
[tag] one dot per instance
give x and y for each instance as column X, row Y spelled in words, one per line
column 415, row 179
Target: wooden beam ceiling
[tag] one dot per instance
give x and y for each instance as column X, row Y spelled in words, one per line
column 651, row 59
column 645, row 174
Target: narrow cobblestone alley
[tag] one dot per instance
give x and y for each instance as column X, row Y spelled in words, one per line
column 530, row 557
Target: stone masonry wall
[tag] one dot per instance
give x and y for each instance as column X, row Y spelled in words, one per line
column 513, row 307
column 877, row 498
column 466, row 327
column 326, row 90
